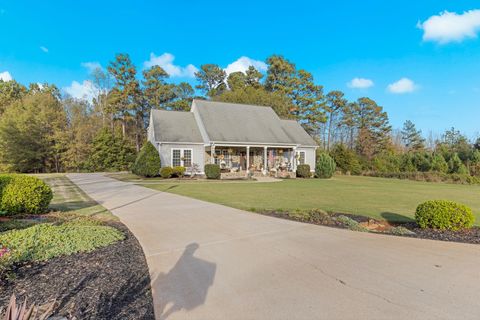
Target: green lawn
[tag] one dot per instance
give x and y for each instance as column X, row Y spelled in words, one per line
column 67, row 197
column 390, row 199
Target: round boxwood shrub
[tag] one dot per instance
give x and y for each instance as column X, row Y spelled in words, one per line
column 303, row 171
column 166, row 172
column 212, row 171
column 178, row 171
column 325, row 167
column 147, row 163
column 25, row 194
column 444, row 215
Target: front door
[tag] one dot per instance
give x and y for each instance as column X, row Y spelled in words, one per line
column 243, row 161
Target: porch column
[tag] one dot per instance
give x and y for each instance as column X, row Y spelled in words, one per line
column 294, row 159
column 212, row 154
column 248, row 158
column 265, row 159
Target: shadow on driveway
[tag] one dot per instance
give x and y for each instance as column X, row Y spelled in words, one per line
column 185, row 286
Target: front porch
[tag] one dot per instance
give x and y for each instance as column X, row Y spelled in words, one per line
column 253, row 161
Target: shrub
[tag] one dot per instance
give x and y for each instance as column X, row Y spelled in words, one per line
column 455, row 165
column 401, row 231
column 439, row 164
column 147, row 163
column 351, row 224
column 303, row 171
column 212, row 171
column 346, row 160
column 25, row 194
column 444, row 215
column 178, row 171
column 166, row 172
column 325, row 167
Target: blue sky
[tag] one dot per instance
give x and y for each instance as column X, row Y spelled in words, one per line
column 379, row 42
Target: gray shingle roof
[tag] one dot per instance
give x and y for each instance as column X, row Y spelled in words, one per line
column 175, row 126
column 231, row 122
column 297, row 134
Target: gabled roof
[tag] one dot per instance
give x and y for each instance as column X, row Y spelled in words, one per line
column 175, row 126
column 296, row 133
column 229, row 123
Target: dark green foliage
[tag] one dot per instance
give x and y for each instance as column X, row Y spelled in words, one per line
column 422, row 161
column 303, row 171
column 455, row 165
column 325, row 167
column 110, row 153
column 412, row 138
column 166, row 172
column 212, row 171
column 178, row 171
column 386, row 162
column 24, row 194
column 147, row 163
column 439, row 164
column 444, row 215
column 346, row 160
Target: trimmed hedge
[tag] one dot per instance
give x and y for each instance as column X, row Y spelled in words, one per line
column 444, row 215
column 166, row 172
column 24, row 194
column 325, row 167
column 303, row 171
column 212, row 171
column 147, row 163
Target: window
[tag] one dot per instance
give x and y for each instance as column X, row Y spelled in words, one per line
column 301, row 157
column 176, row 157
column 223, row 158
column 187, row 158
column 182, row 157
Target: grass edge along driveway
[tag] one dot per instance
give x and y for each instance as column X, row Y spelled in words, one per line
column 390, row 199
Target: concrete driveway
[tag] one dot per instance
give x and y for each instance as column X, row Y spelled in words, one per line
column 208, row 261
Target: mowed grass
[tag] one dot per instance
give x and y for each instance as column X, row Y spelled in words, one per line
column 390, row 199
column 69, row 198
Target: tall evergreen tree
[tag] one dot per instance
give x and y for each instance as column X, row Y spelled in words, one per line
column 335, row 104
column 411, row 137
column 211, row 80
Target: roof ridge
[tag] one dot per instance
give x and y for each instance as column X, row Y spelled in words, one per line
column 236, row 103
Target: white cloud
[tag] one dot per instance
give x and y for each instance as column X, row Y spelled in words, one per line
column 85, row 90
column 44, row 49
column 403, row 85
column 91, row 66
column 242, row 64
column 5, row 76
column 451, row 27
column 166, row 62
column 360, row 83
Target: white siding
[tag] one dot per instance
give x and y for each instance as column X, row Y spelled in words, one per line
column 197, row 156
column 309, row 156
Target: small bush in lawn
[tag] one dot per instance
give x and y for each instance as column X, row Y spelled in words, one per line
column 25, row 194
column 444, row 215
column 147, row 163
column 325, row 167
column 178, row 171
column 303, row 171
column 166, row 172
column 212, row 171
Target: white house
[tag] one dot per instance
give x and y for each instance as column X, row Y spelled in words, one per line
column 240, row 138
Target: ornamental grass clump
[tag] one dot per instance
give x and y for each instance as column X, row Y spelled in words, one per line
column 444, row 215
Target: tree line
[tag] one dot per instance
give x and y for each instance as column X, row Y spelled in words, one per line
column 43, row 131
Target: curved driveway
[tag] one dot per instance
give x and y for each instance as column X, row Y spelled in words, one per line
column 209, row 261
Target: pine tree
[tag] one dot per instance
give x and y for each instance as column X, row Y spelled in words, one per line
column 412, row 138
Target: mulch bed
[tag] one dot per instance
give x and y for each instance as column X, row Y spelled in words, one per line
column 109, row 283
column 471, row 235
